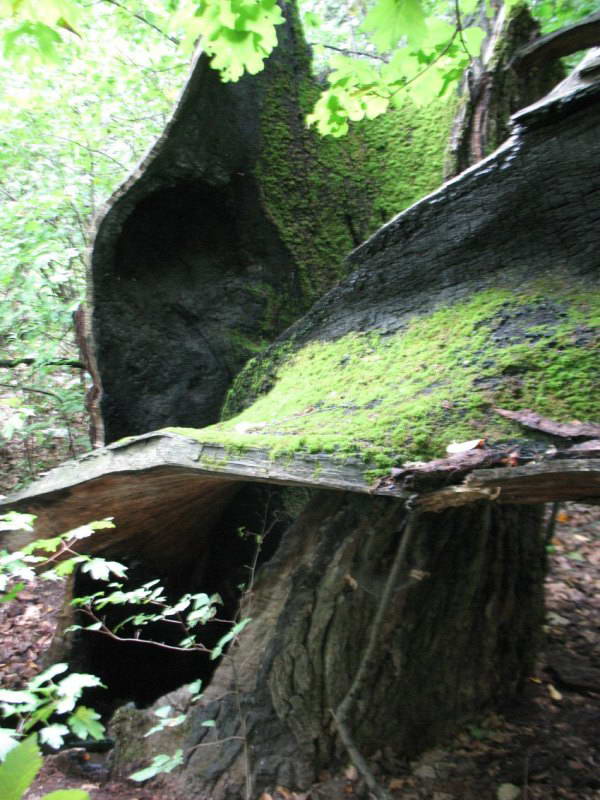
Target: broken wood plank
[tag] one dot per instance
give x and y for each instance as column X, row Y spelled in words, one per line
column 164, row 483
column 567, row 430
column 543, row 482
column 589, row 449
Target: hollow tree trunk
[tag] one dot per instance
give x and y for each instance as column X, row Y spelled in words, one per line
column 235, row 222
column 462, row 636
column 464, row 633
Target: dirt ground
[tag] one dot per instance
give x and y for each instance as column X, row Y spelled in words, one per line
column 544, row 746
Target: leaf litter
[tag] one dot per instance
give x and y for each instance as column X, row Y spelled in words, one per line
column 545, row 745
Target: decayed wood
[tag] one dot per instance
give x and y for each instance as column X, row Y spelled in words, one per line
column 589, row 449
column 582, row 34
column 158, row 486
column 165, row 450
column 568, row 430
column 425, row 475
column 157, row 483
column 577, row 479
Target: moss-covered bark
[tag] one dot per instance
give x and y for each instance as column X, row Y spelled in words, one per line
column 483, row 294
column 236, row 222
column 389, row 397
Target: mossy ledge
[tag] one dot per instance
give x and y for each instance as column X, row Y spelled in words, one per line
column 389, row 398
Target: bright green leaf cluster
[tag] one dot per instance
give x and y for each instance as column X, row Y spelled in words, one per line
column 19, row 769
column 43, row 699
column 426, row 56
column 238, row 34
column 390, row 21
column 59, row 559
column 39, row 25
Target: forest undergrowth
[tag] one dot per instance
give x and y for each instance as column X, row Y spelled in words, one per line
column 543, row 747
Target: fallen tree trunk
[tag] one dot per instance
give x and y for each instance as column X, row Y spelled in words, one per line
column 161, row 479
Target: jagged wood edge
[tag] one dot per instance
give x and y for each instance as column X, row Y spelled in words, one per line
column 154, row 453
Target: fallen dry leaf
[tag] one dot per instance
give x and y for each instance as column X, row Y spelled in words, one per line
column 396, row 783
column 554, row 693
column 464, row 447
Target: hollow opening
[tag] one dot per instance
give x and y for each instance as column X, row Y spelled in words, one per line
column 196, row 281
column 135, row 671
column 179, row 230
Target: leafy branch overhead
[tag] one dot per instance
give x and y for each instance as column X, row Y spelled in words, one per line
column 427, row 55
column 412, row 47
column 239, row 35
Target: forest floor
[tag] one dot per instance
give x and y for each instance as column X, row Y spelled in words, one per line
column 544, row 746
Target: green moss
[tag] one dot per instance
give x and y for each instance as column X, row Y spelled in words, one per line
column 402, row 155
column 326, row 195
column 390, row 398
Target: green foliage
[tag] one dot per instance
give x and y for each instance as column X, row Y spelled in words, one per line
column 390, row 21
column 237, row 34
column 160, row 763
column 18, row 771
column 38, row 26
column 45, row 698
column 70, row 133
column 422, row 55
column 555, row 14
column 60, row 556
column 430, row 46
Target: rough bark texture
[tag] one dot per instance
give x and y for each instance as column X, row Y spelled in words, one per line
column 497, row 85
column 573, row 38
column 460, row 638
column 529, row 211
column 185, row 260
column 235, row 222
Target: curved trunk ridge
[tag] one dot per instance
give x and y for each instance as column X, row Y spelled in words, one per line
column 234, row 223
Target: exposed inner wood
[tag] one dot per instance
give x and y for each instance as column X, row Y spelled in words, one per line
column 159, row 482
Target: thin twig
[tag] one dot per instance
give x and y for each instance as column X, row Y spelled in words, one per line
column 364, row 672
column 244, row 730
column 347, row 52
column 106, row 631
column 365, row 668
column 210, row 744
column 31, row 389
column 358, row 760
column 9, row 363
column 93, row 150
column 459, row 29
column 551, row 526
column 139, row 17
